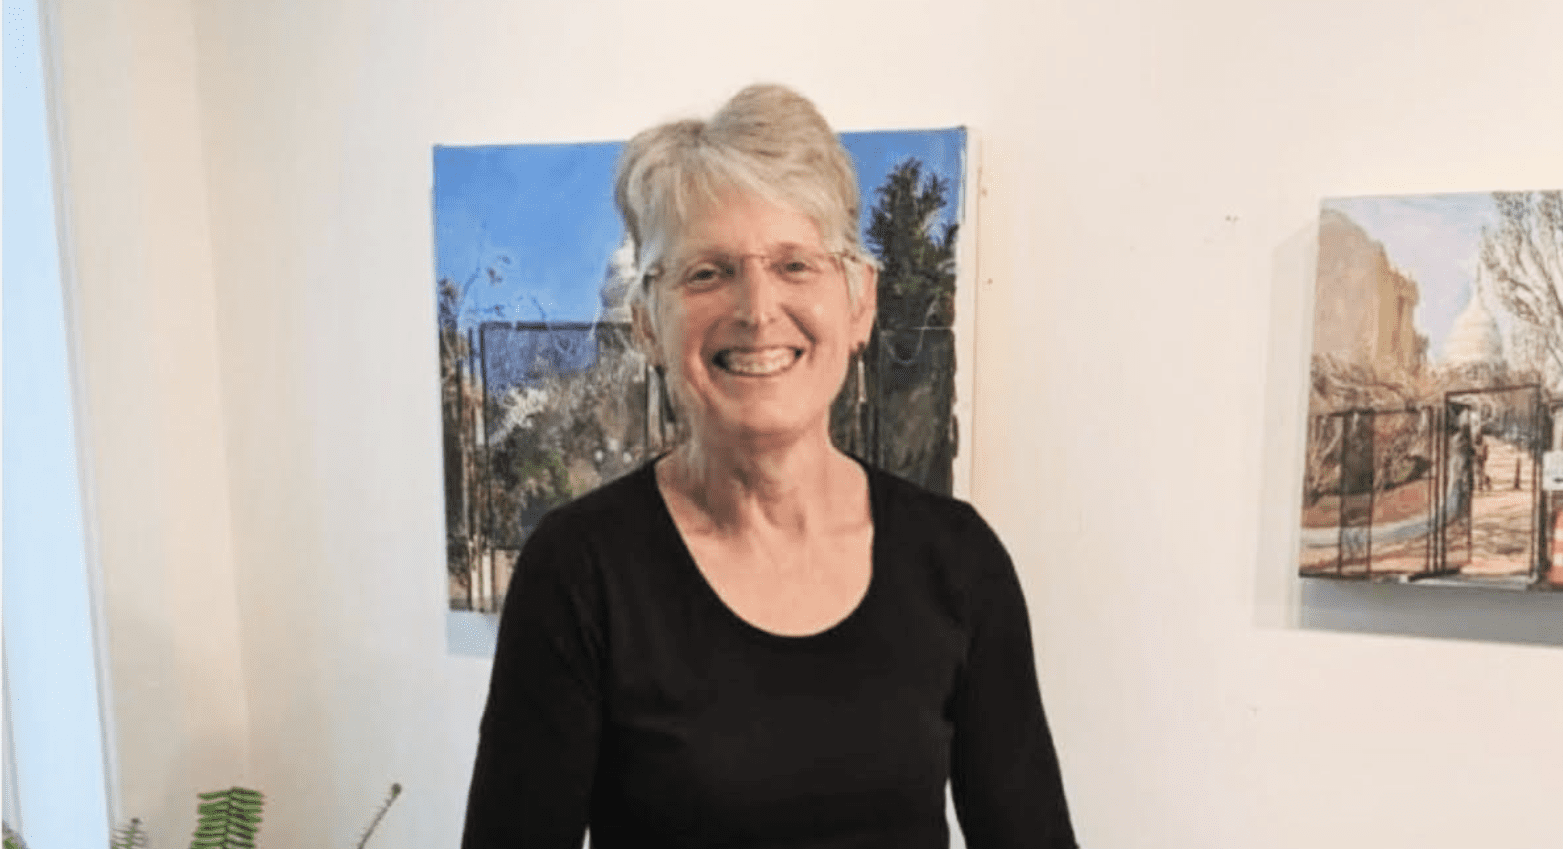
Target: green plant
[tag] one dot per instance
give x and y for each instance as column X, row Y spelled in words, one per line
column 379, row 814
column 130, row 836
column 228, row 819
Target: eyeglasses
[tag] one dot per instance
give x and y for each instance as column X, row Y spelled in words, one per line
column 793, row 265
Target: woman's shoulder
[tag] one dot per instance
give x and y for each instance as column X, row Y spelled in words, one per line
column 600, row 523
column 627, row 491
column 941, row 543
column 951, row 531
column 902, row 503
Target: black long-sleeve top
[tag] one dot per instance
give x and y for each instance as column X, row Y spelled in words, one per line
column 628, row 698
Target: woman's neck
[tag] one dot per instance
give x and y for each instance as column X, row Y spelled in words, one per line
column 793, row 489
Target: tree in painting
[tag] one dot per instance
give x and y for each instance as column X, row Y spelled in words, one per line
column 565, row 431
column 461, row 400
column 910, row 373
column 1522, row 258
column 917, row 274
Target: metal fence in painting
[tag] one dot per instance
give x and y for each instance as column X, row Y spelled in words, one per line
column 1494, row 439
column 1450, row 489
column 897, row 410
column 1320, row 549
column 914, row 418
column 1549, row 571
column 556, row 409
column 1382, row 498
column 1357, row 484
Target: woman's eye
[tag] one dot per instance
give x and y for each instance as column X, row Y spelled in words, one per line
column 798, row 268
column 703, row 275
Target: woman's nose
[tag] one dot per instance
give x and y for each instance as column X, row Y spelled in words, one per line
column 756, row 290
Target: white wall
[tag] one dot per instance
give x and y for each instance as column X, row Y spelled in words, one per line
column 143, row 295
column 252, row 208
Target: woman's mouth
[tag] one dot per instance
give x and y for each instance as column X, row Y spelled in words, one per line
column 758, row 362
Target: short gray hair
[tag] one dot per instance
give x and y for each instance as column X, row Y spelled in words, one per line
column 767, row 141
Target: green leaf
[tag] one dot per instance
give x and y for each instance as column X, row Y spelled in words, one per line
column 227, row 819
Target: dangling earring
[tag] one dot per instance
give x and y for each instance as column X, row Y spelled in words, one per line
column 664, row 403
column 862, row 387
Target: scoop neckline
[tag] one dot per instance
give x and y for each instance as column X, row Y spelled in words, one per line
column 749, row 629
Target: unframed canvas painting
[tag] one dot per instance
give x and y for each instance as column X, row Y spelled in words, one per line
column 544, row 396
column 1435, row 410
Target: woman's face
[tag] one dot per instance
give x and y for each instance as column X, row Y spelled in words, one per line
column 754, row 325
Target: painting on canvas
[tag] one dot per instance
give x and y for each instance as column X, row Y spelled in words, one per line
column 542, row 393
column 1435, row 409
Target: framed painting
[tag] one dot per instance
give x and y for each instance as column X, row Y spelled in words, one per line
column 1436, row 386
column 543, row 395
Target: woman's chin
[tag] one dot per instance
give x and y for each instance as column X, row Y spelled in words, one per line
column 753, row 429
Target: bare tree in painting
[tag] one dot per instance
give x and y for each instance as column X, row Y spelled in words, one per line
column 1522, row 261
column 461, row 402
column 564, row 434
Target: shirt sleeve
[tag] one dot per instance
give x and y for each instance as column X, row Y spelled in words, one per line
column 1005, row 776
column 538, row 739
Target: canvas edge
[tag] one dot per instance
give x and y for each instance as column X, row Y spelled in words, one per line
column 967, row 278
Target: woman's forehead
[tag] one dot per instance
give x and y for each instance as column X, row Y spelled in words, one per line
column 745, row 222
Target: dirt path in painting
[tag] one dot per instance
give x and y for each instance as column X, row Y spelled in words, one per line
column 1502, row 523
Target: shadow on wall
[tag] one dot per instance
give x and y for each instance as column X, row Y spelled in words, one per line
column 1278, row 472
column 1446, row 612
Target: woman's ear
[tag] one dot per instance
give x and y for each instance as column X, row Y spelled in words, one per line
column 645, row 335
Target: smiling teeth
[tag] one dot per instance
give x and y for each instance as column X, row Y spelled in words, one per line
column 759, row 362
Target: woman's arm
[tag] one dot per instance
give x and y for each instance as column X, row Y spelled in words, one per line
column 1004, row 771
column 537, row 746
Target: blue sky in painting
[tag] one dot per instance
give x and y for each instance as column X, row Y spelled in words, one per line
column 1434, row 240
column 542, row 217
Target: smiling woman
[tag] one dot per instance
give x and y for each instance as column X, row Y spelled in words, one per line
column 757, row 639
column 754, row 352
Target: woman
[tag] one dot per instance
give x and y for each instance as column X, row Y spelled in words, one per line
column 756, row 640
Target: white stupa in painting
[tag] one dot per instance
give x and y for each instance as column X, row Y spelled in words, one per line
column 1475, row 339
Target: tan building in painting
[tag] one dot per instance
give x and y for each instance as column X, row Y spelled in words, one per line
column 1362, row 311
